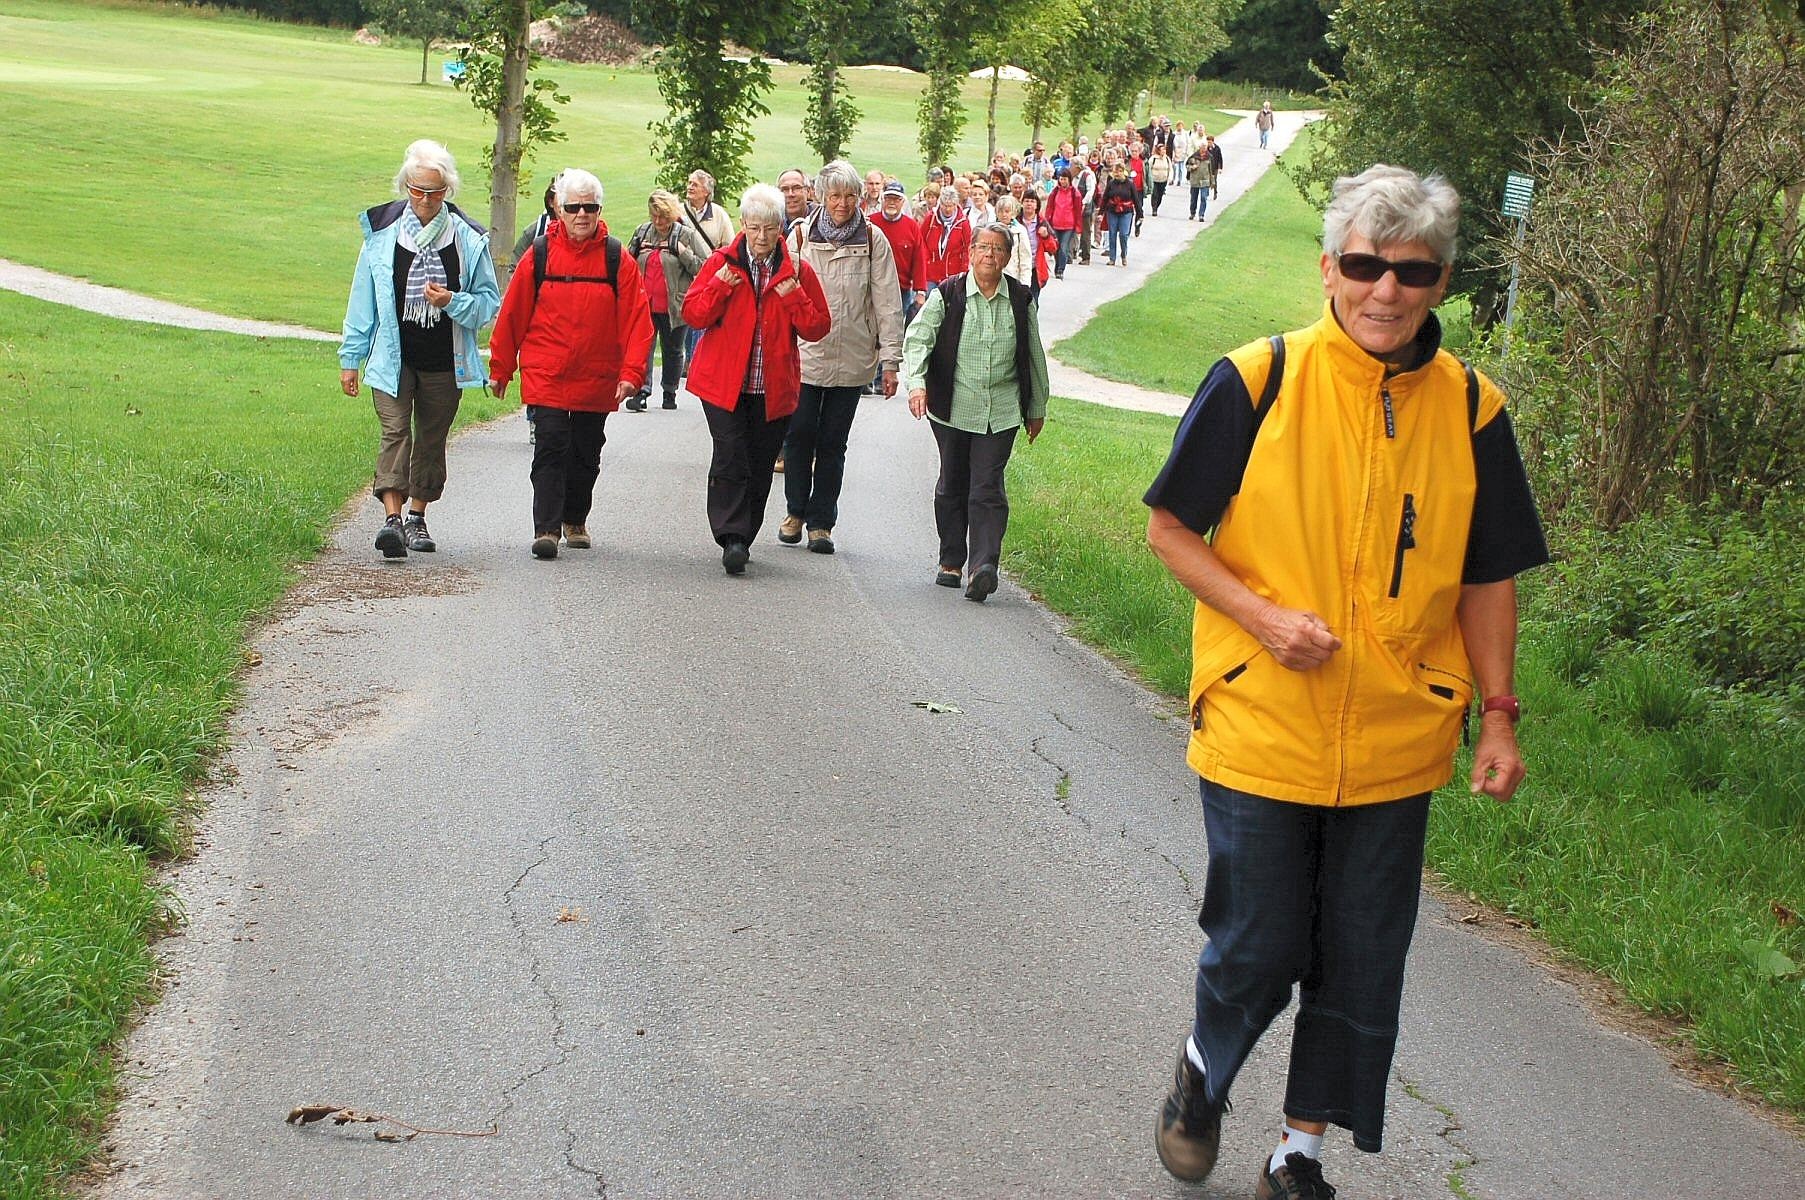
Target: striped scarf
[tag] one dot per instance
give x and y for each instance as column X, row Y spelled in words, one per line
column 427, row 267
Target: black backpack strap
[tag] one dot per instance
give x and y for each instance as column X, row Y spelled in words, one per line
column 1472, row 396
column 611, row 251
column 1275, row 376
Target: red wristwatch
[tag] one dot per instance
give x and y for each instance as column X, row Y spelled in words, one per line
column 1510, row 706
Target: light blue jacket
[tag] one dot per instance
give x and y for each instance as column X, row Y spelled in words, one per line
column 372, row 333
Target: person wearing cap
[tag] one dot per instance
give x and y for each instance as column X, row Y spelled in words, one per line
column 903, row 232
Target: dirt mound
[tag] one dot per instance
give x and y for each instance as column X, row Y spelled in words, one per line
column 590, row 39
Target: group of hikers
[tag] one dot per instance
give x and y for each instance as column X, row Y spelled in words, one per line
column 778, row 328
column 1346, row 502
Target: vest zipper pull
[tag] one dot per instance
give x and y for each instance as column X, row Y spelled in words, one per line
column 1391, row 424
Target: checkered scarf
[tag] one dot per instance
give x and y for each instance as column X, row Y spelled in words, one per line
column 425, row 241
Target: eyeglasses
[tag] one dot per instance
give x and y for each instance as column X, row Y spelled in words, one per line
column 420, row 193
column 984, row 248
column 591, row 209
column 1370, row 268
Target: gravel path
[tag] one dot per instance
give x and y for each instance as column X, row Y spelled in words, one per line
column 130, row 306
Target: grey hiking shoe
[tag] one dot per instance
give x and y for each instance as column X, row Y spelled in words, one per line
column 1188, row 1131
column 1299, row 1179
column 418, row 540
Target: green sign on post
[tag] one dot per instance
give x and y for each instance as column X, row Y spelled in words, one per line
column 1518, row 191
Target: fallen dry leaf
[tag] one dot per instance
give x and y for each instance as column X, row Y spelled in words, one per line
column 1786, row 916
column 568, row 914
column 307, row 1114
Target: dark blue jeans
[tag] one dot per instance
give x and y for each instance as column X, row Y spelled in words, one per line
column 814, row 453
column 1200, row 201
column 1324, row 898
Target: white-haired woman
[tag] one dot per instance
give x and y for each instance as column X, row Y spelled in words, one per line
column 1020, row 266
column 858, row 272
column 753, row 301
column 423, row 289
column 708, row 219
column 669, row 254
column 580, row 334
column 1347, row 504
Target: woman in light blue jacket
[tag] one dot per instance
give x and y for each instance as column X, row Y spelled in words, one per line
column 424, row 288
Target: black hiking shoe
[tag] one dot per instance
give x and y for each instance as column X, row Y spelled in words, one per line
column 1188, row 1131
column 734, row 557
column 390, row 539
column 1299, row 1179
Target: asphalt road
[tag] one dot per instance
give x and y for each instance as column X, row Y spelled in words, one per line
column 816, row 940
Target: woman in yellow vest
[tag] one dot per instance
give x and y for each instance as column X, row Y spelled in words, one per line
column 1348, row 506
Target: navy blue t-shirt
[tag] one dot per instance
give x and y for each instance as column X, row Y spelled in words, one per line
column 1210, row 451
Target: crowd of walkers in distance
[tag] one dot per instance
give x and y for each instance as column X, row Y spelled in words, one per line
column 778, row 323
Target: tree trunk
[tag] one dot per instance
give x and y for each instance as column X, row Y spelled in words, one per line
column 1189, row 80
column 504, row 182
column 830, row 78
column 425, row 50
column 990, row 121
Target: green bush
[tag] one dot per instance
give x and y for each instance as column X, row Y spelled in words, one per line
column 1721, row 590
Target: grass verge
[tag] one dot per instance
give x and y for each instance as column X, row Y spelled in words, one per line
column 148, row 513
column 1664, row 854
column 269, row 139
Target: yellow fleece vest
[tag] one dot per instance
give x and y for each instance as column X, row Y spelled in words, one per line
column 1369, row 532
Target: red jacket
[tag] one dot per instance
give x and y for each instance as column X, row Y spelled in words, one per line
column 937, row 266
column 1064, row 208
column 1043, row 249
column 904, row 236
column 575, row 342
column 724, row 314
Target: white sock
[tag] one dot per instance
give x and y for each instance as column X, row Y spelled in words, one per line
column 1195, row 1055
column 1295, row 1141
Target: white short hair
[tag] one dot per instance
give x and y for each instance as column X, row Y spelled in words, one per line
column 427, row 155
column 762, row 203
column 1387, row 205
column 837, row 176
column 705, row 177
column 575, row 181
column 1007, row 205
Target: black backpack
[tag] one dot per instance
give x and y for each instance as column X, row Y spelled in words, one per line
column 541, row 249
column 1276, row 373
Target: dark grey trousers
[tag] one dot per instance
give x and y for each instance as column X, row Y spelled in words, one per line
column 971, row 509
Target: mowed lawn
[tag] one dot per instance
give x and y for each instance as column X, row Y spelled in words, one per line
column 221, row 161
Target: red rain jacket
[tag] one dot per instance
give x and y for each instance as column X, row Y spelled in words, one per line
column 957, row 258
column 724, row 314
column 573, row 343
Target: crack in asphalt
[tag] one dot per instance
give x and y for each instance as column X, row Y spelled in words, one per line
column 1063, row 798
column 570, row 1160
column 1464, row 1156
column 560, row 1039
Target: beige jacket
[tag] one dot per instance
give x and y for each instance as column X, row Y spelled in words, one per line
column 864, row 302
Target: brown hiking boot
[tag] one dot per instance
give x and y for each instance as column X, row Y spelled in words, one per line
column 1188, row 1132
column 790, row 531
column 577, row 537
column 1299, row 1179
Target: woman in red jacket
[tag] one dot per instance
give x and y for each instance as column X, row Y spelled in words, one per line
column 751, row 301
column 945, row 239
column 579, row 332
column 1065, row 216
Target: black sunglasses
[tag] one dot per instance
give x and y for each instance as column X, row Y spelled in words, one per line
column 1370, row 268
column 596, row 208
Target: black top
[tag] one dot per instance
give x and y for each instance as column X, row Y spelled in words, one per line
column 1214, row 440
column 426, row 349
